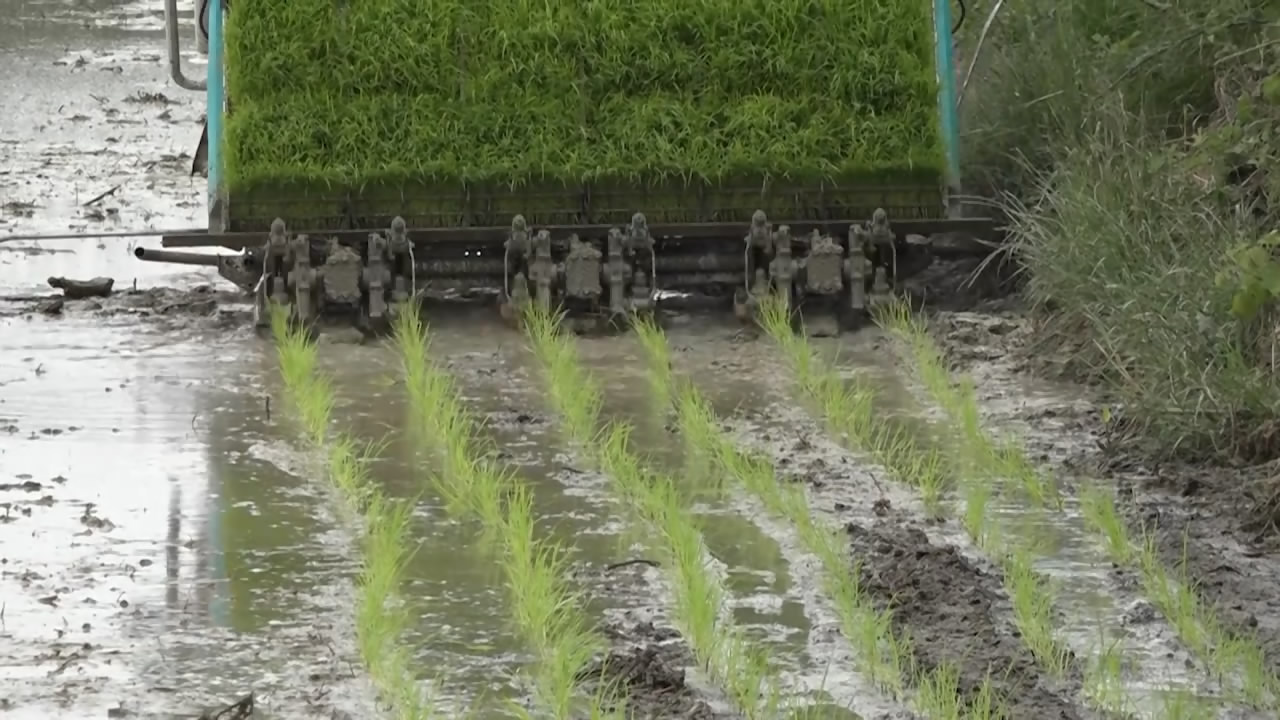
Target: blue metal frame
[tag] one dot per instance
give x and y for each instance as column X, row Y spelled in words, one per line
column 945, row 62
column 215, row 98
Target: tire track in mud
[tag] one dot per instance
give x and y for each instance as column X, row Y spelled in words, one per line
column 1203, row 521
column 648, row 656
column 918, row 569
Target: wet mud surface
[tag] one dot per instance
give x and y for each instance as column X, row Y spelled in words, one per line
column 953, row 611
column 1214, row 523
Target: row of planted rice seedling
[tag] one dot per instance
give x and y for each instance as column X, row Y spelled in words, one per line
column 884, row 656
column 381, row 615
column 721, row 649
column 569, row 91
column 846, row 408
column 545, row 609
column 1236, row 659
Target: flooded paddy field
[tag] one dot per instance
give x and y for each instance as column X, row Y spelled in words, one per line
column 168, row 546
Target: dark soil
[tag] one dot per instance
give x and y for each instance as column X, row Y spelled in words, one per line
column 961, row 284
column 649, row 662
column 950, row 608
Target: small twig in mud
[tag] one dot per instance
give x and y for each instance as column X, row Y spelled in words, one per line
column 628, row 563
column 65, row 664
column 268, row 407
column 237, row 710
column 100, row 196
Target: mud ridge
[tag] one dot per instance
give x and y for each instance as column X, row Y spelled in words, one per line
column 949, row 608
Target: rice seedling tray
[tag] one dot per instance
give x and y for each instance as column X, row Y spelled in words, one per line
column 578, row 112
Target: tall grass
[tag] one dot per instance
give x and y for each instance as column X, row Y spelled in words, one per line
column 546, row 611
column 1113, row 129
column 741, row 668
column 885, row 657
column 381, row 616
column 1228, row 655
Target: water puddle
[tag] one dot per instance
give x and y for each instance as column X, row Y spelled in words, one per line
column 149, row 559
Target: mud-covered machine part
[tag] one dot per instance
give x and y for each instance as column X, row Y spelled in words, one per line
column 598, row 271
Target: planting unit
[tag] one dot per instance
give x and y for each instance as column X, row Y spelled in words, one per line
column 584, row 155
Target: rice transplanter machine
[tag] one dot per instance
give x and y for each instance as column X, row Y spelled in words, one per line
column 593, row 256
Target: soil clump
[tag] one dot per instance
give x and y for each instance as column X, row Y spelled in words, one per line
column 647, row 663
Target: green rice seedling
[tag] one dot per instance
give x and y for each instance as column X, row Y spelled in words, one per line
column 1229, row 655
column 982, row 454
column 737, row 665
column 546, row 611
column 1033, row 612
column 1104, row 678
column 549, row 615
column 940, row 698
column 1226, row 654
column 1100, row 513
column 1181, row 704
column 894, row 448
column 977, row 495
column 380, row 617
column 847, row 409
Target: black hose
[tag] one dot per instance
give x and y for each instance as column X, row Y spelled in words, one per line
column 964, row 12
column 203, row 14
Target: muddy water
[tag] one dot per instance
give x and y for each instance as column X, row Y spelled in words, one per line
column 150, row 558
